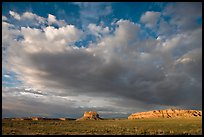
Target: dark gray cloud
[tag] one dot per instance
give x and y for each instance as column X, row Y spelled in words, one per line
column 139, row 76
column 177, row 11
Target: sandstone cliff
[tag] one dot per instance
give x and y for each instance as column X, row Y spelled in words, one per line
column 168, row 113
column 91, row 115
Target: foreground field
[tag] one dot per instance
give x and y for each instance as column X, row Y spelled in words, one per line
column 190, row 126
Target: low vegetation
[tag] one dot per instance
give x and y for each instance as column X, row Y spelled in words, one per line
column 156, row 126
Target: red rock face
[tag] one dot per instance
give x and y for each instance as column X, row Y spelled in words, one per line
column 63, row 119
column 91, row 115
column 168, row 113
column 34, row 118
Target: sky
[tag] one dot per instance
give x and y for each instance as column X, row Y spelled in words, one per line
column 60, row 59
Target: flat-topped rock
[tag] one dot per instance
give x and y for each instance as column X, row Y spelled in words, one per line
column 168, row 113
column 91, row 115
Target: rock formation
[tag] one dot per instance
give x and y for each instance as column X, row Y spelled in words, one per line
column 91, row 115
column 36, row 118
column 63, row 119
column 168, row 113
column 17, row 119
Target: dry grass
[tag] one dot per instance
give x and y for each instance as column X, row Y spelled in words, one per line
column 191, row 126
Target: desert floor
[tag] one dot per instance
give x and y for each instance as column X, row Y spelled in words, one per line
column 173, row 126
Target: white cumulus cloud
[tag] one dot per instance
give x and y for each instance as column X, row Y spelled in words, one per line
column 98, row 30
column 52, row 20
column 150, row 18
column 15, row 15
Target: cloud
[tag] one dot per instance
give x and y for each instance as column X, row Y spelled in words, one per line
column 28, row 19
column 4, row 18
column 177, row 12
column 190, row 63
column 93, row 11
column 165, row 29
column 117, row 66
column 98, row 30
column 69, row 34
column 87, row 7
column 7, row 76
column 31, row 16
column 9, row 36
column 127, row 30
column 21, row 102
column 150, row 18
column 15, row 15
column 54, row 39
column 52, row 20
column 18, row 102
column 31, row 44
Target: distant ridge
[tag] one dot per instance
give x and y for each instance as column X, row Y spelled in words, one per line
column 38, row 118
column 93, row 115
column 167, row 113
